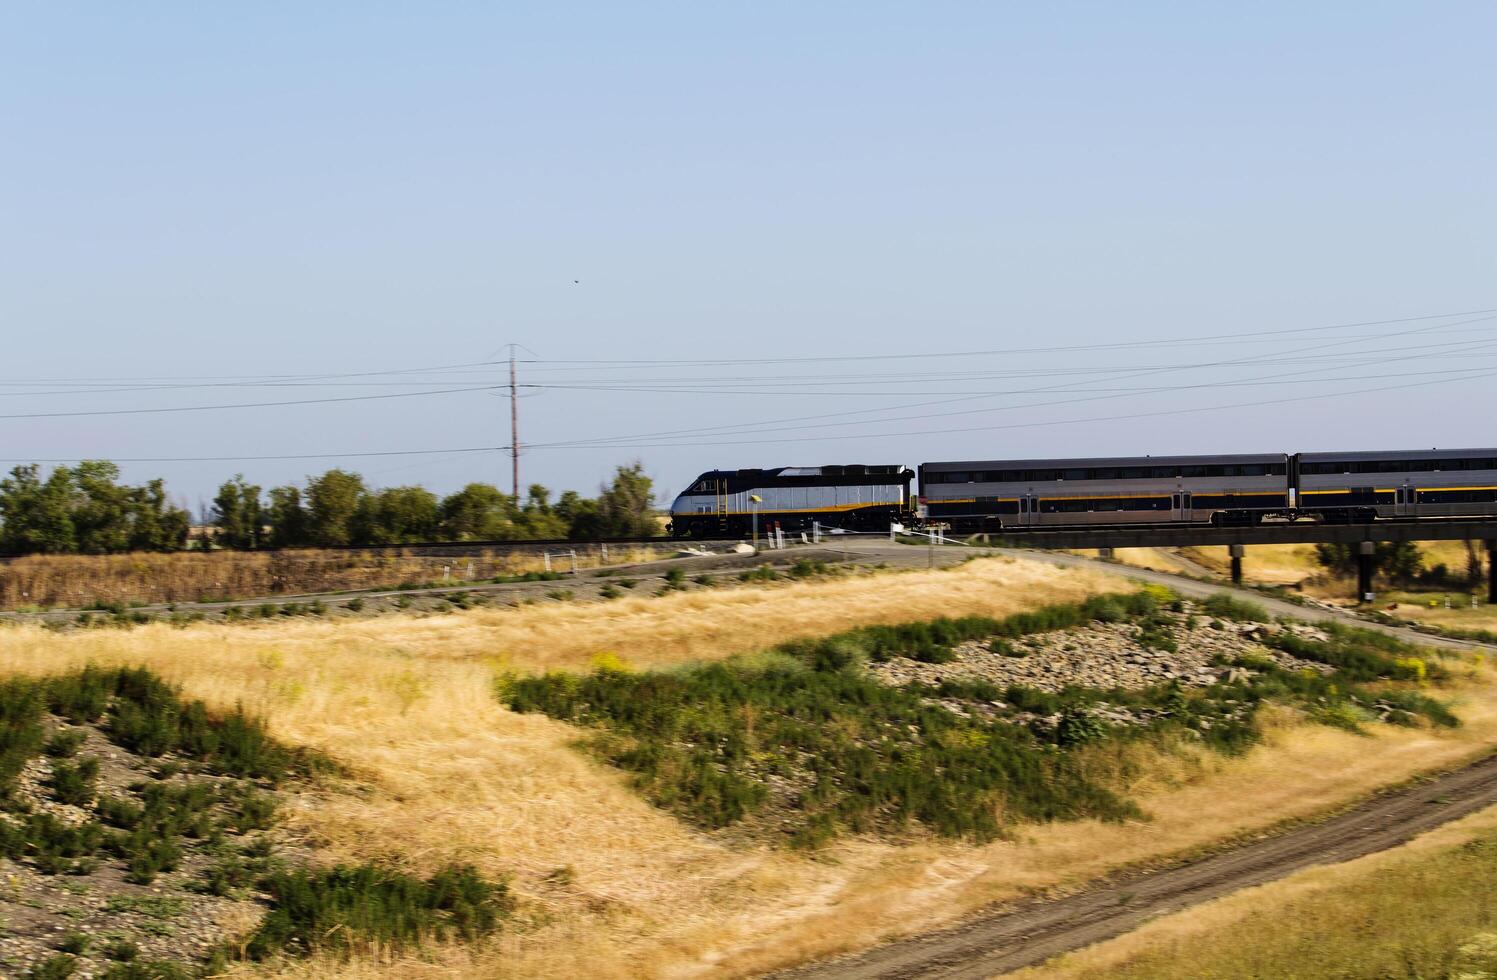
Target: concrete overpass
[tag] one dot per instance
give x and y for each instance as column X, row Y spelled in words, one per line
column 1363, row 536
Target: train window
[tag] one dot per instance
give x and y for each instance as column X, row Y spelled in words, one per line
column 1041, row 476
column 1073, row 475
column 1194, row 471
column 1109, row 473
column 1163, row 472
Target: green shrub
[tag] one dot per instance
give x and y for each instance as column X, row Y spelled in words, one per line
column 75, row 784
column 121, row 949
column 21, row 732
column 347, row 908
column 76, row 943
column 58, row 967
column 1225, row 605
column 1151, row 639
column 81, row 696
column 708, row 742
column 354, row 605
column 150, row 970
column 1077, row 727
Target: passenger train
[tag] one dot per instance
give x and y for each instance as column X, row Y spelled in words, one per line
column 991, row 495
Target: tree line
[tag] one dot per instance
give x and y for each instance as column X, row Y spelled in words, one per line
column 86, row 510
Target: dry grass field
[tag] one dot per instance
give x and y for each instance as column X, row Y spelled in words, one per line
column 75, row 581
column 1423, row 909
column 1264, row 564
column 612, row 887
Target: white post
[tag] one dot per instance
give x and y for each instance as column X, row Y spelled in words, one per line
column 446, row 573
column 816, row 532
column 547, row 556
column 574, row 560
column 891, row 532
column 779, row 538
column 605, row 552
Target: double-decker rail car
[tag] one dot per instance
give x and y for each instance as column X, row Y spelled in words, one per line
column 1359, row 487
column 852, row 497
column 987, row 495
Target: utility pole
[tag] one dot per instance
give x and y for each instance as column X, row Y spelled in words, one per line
column 514, row 425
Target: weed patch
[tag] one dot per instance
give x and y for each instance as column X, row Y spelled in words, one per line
column 803, row 743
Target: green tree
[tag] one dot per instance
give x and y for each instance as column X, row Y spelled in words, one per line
column 36, row 514
column 583, row 517
column 537, row 518
column 396, row 515
column 479, row 512
column 287, row 517
column 154, row 523
column 627, row 507
column 1398, row 561
column 101, row 509
column 238, row 514
column 332, row 501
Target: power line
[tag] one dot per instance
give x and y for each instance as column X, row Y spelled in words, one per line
column 251, row 459
column 1019, row 350
column 1048, row 422
column 760, row 425
column 213, row 408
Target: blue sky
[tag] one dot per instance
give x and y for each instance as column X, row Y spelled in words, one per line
column 190, row 191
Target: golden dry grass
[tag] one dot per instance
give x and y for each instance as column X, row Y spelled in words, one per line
column 1158, row 559
column 1264, row 564
column 1430, row 608
column 1327, row 908
column 72, row 581
column 408, row 704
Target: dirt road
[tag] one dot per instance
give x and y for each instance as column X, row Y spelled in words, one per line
column 1032, row 932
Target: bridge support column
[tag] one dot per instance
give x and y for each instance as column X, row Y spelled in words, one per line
column 1236, row 551
column 1365, row 551
column 1492, row 571
column 1105, row 553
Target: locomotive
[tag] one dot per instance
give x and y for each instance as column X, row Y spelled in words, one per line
column 854, row 497
column 992, row 495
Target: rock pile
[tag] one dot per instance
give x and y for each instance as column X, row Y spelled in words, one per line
column 1108, row 655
